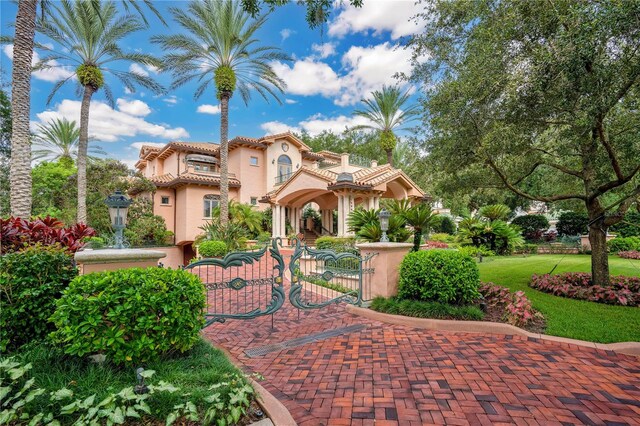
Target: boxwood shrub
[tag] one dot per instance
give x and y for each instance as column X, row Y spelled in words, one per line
column 30, row 283
column 446, row 276
column 130, row 315
column 624, row 244
column 212, row 248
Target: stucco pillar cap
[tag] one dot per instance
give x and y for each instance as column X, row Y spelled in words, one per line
column 117, row 255
column 384, row 246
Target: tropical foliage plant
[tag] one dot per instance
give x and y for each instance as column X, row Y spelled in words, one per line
column 233, row 235
column 88, row 35
column 366, row 225
column 387, row 111
column 489, row 229
column 244, row 215
column 30, row 283
column 58, row 140
column 135, row 315
column 622, row 290
column 17, row 233
column 219, row 47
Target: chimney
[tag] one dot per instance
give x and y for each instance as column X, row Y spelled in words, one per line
column 344, row 161
column 374, row 163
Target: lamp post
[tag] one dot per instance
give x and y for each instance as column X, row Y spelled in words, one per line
column 384, row 216
column 118, row 205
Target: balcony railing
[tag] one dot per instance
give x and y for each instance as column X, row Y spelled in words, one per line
column 280, row 179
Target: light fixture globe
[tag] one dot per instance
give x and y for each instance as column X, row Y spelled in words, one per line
column 118, row 205
column 384, row 216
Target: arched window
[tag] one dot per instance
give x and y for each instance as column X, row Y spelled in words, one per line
column 211, row 201
column 284, row 168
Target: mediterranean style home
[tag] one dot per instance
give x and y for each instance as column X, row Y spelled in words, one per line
column 277, row 171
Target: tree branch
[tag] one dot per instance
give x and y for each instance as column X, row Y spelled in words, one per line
column 521, row 193
column 613, row 184
column 623, row 206
column 613, row 158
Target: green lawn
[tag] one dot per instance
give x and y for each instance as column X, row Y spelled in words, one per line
column 576, row 319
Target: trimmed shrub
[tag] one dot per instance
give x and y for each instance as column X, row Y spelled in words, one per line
column 212, row 248
column 629, row 254
column 442, row 237
column 624, row 244
column 476, row 251
column 571, row 223
column 338, row 244
column 30, row 283
column 532, row 225
column 130, row 315
column 445, row 225
column 17, row 233
column 629, row 227
column 578, row 285
column 446, row 276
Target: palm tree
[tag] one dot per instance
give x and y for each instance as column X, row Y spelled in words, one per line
column 23, row 42
column 220, row 47
column 420, row 217
column 88, row 34
column 58, row 140
column 20, row 164
column 386, row 115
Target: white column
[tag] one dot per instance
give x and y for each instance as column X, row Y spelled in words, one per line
column 296, row 220
column 283, row 221
column 340, row 216
column 376, row 202
column 275, row 221
column 351, row 200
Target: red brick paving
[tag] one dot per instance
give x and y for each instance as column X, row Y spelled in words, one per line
column 397, row 375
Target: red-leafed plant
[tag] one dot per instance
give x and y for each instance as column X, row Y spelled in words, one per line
column 629, row 254
column 435, row 245
column 517, row 307
column 579, row 285
column 17, row 233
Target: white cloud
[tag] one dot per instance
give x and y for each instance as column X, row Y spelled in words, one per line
column 171, row 100
column 286, row 33
column 324, row 50
column 394, row 16
column 109, row 125
column 364, row 69
column 134, row 107
column 208, row 109
column 153, row 69
column 370, row 68
column 275, row 127
column 54, row 74
column 290, row 101
column 137, row 69
column 308, row 77
column 315, row 124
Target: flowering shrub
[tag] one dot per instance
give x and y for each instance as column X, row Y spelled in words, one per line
column 17, row 233
column 578, row 285
column 518, row 310
column 435, row 245
column 629, row 254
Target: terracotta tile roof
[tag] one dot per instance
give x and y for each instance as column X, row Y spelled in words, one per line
column 168, row 180
column 205, row 146
column 329, row 154
column 368, row 173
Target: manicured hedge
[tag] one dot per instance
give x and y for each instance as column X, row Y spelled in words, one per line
column 30, row 283
column 578, row 285
column 624, row 244
column 130, row 315
column 446, row 276
column 338, row 244
column 532, row 226
column 571, row 223
column 420, row 309
column 212, row 248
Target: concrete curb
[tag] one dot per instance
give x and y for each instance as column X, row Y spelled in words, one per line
column 273, row 408
column 626, row 348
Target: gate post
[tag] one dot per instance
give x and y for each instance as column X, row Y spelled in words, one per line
column 113, row 259
column 386, row 264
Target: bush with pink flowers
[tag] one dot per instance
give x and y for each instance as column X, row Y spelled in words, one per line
column 578, row 285
column 632, row 254
column 517, row 308
column 434, row 245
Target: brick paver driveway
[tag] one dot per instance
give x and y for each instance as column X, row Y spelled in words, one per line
column 387, row 374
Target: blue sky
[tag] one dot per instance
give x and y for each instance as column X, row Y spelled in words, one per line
column 332, row 70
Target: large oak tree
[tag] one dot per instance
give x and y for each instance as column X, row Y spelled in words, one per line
column 540, row 96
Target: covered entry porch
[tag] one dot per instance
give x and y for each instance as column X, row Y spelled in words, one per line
column 340, row 189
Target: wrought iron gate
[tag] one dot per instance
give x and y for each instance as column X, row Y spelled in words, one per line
column 242, row 285
column 322, row 277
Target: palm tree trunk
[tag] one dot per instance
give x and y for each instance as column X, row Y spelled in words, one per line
column 224, row 165
column 390, row 156
column 83, row 143
column 20, row 168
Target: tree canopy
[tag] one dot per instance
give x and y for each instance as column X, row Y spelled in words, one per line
column 539, row 98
